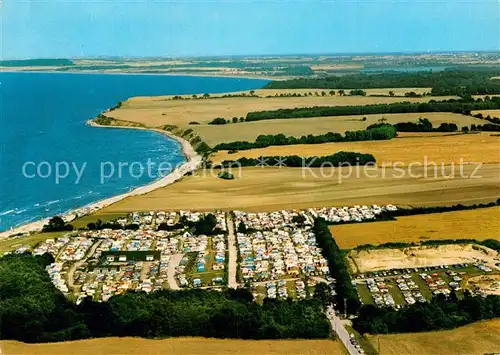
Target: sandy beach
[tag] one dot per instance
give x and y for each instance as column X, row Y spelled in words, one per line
column 193, row 162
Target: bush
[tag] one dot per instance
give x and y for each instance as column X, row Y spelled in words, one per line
column 226, row 175
column 218, row 121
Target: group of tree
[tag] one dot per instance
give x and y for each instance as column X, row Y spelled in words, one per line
column 453, row 81
column 346, row 293
column 205, row 225
column 221, row 120
column 462, row 106
column 103, row 120
column 33, row 310
column 337, row 159
column 423, row 125
column 99, row 225
column 381, row 132
column 440, row 313
column 56, row 224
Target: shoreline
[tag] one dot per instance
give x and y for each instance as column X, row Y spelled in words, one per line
column 210, row 75
column 193, row 161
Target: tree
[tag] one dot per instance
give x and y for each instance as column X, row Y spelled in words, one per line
column 332, row 93
column 465, row 129
column 252, row 92
column 242, row 228
column 391, row 93
column 322, row 293
column 235, row 119
column 323, row 93
column 206, row 96
column 341, row 92
column 56, row 224
column 194, row 96
column 218, row 121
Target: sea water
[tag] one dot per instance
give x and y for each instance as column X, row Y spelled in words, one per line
column 42, row 122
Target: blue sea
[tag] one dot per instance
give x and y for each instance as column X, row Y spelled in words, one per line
column 43, row 131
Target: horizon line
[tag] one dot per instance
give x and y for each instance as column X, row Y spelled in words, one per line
column 331, row 54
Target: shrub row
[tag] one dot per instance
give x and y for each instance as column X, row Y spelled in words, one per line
column 338, row 268
column 456, row 106
column 378, row 133
column 294, row 161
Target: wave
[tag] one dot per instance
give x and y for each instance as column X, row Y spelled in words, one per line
column 52, row 202
column 7, row 212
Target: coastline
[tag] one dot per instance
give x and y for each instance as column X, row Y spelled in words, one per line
column 212, row 75
column 193, row 161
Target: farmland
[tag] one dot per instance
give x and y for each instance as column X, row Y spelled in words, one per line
column 271, row 188
column 173, row 346
column 408, row 148
column 477, row 338
column 494, row 113
column 13, row 243
column 161, row 110
column 447, row 225
column 249, row 131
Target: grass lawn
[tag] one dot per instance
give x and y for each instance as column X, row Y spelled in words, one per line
column 364, row 293
column 446, row 225
column 105, row 217
column 205, row 277
column 16, row 242
column 363, row 341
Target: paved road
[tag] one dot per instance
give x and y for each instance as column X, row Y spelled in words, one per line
column 75, row 265
column 174, row 261
column 341, row 332
column 233, row 253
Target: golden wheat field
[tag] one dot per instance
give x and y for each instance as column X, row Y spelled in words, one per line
column 478, row 224
column 272, row 188
column 175, row 346
column 474, row 339
column 493, row 113
column 161, row 110
column 480, row 147
column 249, row 131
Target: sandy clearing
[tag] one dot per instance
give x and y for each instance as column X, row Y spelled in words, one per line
column 489, row 284
column 422, row 256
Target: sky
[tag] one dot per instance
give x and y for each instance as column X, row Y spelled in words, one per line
column 142, row 28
